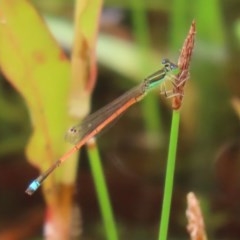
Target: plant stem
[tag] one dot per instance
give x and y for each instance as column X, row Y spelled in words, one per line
column 152, row 119
column 168, row 188
column 102, row 193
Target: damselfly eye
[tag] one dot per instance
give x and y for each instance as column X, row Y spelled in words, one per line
column 165, row 61
column 167, row 64
column 168, row 67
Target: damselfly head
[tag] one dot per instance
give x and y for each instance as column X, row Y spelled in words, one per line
column 168, row 65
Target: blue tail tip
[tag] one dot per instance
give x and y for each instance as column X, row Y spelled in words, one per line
column 32, row 187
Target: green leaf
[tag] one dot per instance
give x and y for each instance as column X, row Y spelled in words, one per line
column 37, row 67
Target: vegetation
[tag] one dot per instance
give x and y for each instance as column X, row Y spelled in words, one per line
column 45, row 90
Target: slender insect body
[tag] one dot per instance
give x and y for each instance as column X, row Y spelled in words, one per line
column 93, row 124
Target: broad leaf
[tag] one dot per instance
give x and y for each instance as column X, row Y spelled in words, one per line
column 40, row 71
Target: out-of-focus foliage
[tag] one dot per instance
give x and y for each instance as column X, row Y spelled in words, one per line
column 35, row 65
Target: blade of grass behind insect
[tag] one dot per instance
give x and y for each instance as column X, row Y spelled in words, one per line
column 179, row 19
column 152, row 117
column 169, row 179
column 102, row 192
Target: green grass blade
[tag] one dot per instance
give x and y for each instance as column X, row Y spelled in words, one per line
column 168, row 188
column 152, row 119
column 102, row 193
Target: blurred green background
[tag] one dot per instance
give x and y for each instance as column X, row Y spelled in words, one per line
column 134, row 150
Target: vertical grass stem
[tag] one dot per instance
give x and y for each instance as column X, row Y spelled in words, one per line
column 169, row 179
column 102, row 192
